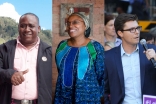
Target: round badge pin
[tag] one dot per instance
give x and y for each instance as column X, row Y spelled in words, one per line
column 44, row 58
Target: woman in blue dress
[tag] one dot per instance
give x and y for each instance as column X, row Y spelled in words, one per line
column 80, row 63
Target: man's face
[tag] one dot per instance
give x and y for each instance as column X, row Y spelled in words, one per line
column 28, row 29
column 131, row 33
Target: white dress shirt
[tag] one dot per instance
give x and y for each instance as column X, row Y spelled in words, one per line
column 132, row 81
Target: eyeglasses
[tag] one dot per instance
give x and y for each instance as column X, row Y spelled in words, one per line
column 75, row 22
column 133, row 30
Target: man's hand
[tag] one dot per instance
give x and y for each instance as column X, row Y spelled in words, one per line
column 150, row 53
column 17, row 78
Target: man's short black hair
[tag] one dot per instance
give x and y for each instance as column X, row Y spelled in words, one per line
column 32, row 15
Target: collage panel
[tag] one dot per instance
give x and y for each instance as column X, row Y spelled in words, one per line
column 78, row 53
column 25, row 52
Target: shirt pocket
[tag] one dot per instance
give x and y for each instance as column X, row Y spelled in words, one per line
column 17, row 63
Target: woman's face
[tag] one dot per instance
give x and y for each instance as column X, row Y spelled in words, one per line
column 109, row 28
column 75, row 26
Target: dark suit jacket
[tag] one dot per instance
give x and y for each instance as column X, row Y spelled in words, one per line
column 114, row 78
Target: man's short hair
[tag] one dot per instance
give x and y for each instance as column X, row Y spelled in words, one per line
column 32, row 15
column 121, row 19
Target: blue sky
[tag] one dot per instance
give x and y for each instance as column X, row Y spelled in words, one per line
column 42, row 8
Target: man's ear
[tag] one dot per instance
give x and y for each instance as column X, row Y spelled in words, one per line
column 18, row 27
column 39, row 29
column 120, row 33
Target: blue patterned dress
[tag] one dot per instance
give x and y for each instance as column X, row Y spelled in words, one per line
column 80, row 73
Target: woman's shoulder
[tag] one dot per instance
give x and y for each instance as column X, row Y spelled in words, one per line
column 62, row 42
column 95, row 43
column 110, row 44
column 107, row 47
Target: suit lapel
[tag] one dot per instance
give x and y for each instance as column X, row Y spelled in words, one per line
column 119, row 67
column 142, row 57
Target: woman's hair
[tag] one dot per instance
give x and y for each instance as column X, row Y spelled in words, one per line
column 86, row 22
column 87, row 32
column 108, row 17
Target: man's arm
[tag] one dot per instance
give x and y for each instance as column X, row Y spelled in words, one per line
column 5, row 74
column 8, row 75
column 106, row 89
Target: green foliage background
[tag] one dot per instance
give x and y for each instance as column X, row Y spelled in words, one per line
column 9, row 30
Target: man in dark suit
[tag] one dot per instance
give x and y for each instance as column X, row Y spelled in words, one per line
column 129, row 74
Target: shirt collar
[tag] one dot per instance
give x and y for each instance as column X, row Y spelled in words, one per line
column 19, row 43
column 123, row 51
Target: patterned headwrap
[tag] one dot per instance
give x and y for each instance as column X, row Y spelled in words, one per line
column 85, row 19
